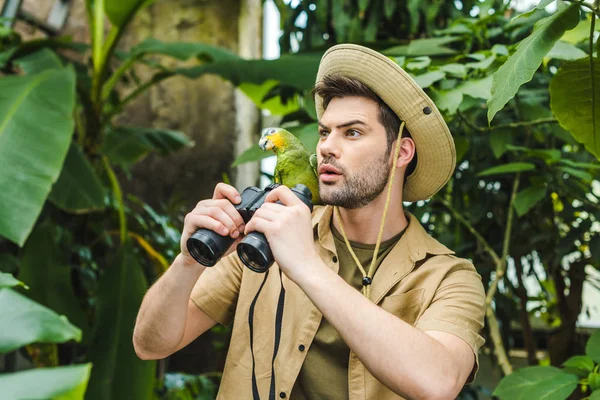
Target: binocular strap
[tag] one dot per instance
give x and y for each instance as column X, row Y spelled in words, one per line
column 278, row 322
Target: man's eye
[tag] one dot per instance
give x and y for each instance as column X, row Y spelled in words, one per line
column 323, row 133
column 353, row 133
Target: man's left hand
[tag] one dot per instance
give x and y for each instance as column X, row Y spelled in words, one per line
column 288, row 229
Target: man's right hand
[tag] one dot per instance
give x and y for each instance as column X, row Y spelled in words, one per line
column 217, row 214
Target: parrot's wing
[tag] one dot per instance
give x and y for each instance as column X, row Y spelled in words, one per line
column 314, row 163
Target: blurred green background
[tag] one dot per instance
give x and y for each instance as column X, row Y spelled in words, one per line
column 118, row 116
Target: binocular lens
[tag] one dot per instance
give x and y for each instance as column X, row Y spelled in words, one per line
column 204, row 248
column 254, row 252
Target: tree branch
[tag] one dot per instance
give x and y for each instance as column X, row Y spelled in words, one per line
column 511, row 125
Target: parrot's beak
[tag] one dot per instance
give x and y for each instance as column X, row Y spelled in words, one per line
column 265, row 144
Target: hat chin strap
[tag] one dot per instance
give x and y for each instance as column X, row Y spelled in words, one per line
column 368, row 277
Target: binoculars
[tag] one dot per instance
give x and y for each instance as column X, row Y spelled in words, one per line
column 207, row 247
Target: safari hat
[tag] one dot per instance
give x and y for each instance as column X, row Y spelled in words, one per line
column 434, row 144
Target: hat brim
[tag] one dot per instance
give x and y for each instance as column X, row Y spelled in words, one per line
column 435, row 147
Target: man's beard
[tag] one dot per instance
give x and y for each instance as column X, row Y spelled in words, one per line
column 359, row 189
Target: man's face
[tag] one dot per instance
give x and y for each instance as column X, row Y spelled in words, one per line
column 352, row 152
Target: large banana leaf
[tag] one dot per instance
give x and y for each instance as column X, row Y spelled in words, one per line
column 128, row 145
column 118, row 373
column 48, row 275
column 23, row 321
column 36, row 124
column 298, row 71
column 78, row 189
column 183, row 50
column 60, row 383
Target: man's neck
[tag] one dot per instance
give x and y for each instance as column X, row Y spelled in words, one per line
column 362, row 224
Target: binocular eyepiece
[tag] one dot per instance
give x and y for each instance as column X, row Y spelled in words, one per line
column 207, row 247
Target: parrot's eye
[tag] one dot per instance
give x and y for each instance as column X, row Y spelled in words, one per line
column 271, row 131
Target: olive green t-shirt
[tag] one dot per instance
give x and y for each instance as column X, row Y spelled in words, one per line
column 324, row 373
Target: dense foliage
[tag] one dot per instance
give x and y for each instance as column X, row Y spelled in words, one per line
column 519, row 93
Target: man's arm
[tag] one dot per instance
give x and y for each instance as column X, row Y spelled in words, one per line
column 412, row 363
column 168, row 320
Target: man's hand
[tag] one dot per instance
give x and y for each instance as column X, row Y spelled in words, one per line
column 288, row 229
column 217, row 214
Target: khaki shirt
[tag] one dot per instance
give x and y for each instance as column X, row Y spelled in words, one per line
column 420, row 281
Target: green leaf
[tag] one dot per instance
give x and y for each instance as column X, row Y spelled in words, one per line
column 520, row 67
column 543, row 3
column 580, row 33
column 418, row 63
column 254, row 153
column 60, row 383
column 595, row 395
column 500, row 50
column 576, row 102
column 257, row 93
column 48, row 273
column 25, row 321
column 308, row 135
column 389, row 8
column 424, row 47
column 499, row 141
column 584, row 176
column 547, row 383
column 40, row 61
column 297, row 71
column 128, row 145
column 594, row 381
column 565, row 51
column 581, row 362
column 118, row 373
column 528, row 198
column 32, row 150
column 450, row 100
column 183, row 50
column 429, row 78
column 456, row 70
column 7, row 281
column 120, row 12
column 581, row 165
column 462, row 146
column 592, row 348
column 483, row 64
column 508, row 168
column 78, row 188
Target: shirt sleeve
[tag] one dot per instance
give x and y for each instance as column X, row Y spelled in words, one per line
column 458, row 307
column 216, row 291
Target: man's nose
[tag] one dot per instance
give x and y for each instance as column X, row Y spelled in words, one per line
column 330, row 146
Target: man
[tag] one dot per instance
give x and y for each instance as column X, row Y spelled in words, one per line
column 403, row 326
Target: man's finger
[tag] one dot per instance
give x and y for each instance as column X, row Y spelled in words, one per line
column 284, row 195
column 225, row 191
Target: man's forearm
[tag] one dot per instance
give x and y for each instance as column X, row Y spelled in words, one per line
column 161, row 321
column 408, row 361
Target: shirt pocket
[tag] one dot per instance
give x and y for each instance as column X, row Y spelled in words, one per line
column 405, row 306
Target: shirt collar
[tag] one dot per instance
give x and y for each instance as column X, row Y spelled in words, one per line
column 414, row 243
column 418, row 241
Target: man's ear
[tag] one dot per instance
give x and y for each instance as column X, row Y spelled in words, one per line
column 407, row 152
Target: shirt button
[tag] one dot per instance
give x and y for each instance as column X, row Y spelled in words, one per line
column 301, row 347
column 334, row 259
column 282, row 395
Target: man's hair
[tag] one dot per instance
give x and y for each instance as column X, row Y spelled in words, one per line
column 333, row 86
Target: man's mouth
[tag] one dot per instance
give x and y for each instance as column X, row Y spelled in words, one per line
column 328, row 173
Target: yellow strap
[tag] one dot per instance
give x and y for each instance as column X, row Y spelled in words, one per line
column 366, row 290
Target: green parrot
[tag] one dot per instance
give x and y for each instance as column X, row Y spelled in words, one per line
column 294, row 163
